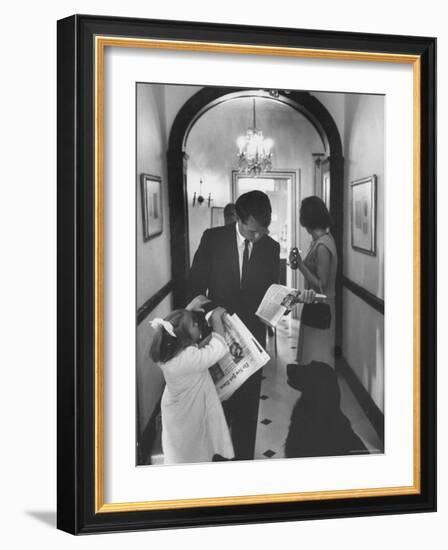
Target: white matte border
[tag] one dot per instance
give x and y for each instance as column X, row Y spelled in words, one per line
column 124, row 482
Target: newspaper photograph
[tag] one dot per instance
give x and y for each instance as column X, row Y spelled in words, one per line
column 277, row 301
column 245, row 357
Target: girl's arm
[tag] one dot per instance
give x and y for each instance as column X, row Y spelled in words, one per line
column 194, row 359
column 198, row 303
column 216, row 321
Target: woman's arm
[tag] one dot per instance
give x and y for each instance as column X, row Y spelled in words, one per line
column 323, row 265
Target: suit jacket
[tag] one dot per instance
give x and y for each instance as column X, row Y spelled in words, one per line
column 215, row 273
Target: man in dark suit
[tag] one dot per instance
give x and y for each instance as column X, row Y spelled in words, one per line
column 234, row 266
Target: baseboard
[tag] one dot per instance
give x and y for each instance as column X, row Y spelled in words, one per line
column 367, row 404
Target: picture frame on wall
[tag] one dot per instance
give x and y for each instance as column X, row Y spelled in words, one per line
column 363, row 215
column 100, row 486
column 152, row 207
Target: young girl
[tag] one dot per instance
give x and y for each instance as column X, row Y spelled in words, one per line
column 194, row 428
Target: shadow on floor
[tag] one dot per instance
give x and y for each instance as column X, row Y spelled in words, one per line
column 48, row 517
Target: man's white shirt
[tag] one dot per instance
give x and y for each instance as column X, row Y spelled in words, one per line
column 240, row 246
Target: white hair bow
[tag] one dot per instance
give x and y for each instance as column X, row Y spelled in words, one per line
column 155, row 323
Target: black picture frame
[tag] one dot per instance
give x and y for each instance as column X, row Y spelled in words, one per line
column 356, row 216
column 152, row 208
column 79, row 509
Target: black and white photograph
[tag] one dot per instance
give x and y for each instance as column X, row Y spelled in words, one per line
column 224, row 330
column 268, row 341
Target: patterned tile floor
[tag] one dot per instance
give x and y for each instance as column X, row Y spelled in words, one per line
column 277, row 399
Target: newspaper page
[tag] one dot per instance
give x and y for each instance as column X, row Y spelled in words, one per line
column 277, row 301
column 245, row 357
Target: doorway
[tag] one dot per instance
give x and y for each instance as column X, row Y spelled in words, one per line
column 283, row 189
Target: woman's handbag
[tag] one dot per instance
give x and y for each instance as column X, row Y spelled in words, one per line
column 316, row 315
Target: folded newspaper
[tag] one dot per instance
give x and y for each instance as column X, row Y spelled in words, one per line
column 245, row 357
column 277, row 301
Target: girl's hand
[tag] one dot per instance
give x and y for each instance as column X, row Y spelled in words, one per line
column 216, row 320
column 307, row 296
column 197, row 304
column 217, row 314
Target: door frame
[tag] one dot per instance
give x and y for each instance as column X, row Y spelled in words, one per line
column 294, row 176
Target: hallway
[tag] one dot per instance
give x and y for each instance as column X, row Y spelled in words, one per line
column 327, row 145
column 277, row 399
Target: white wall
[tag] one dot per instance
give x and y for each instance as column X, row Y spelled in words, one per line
column 157, row 106
column 151, row 275
column 28, row 350
column 151, row 159
column 175, row 98
column 335, row 105
column 363, row 328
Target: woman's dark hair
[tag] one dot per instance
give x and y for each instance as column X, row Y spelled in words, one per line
column 314, row 214
column 164, row 346
column 255, row 204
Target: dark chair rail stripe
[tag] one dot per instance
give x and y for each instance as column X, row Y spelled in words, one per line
column 365, row 295
column 144, row 310
column 363, row 397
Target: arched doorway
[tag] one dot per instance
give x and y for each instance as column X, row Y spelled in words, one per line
column 192, row 110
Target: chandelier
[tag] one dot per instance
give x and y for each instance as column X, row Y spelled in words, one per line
column 254, row 151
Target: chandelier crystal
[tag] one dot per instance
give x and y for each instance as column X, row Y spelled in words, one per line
column 254, row 151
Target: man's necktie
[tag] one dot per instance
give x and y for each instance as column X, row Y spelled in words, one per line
column 245, row 265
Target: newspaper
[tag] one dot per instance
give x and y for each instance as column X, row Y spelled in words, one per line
column 246, row 356
column 277, row 301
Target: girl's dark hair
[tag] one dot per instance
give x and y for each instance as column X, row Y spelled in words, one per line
column 164, row 346
column 314, row 214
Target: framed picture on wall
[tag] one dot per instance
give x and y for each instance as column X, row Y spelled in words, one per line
column 170, row 95
column 363, row 214
column 152, row 208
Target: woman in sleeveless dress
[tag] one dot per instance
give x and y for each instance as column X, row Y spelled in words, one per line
column 318, row 267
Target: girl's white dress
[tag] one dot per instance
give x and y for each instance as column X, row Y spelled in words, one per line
column 194, row 427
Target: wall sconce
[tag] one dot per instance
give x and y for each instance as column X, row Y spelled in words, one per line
column 199, row 199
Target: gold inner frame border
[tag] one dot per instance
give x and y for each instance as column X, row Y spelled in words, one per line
column 100, row 44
